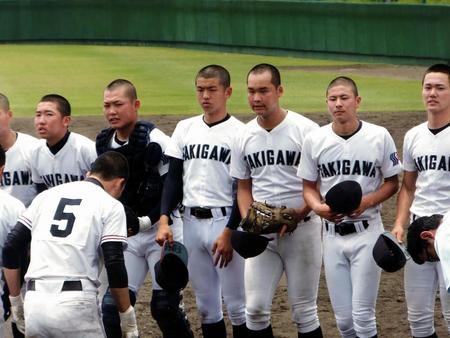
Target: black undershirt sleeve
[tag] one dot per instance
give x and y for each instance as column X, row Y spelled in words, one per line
column 172, row 193
column 115, row 264
column 16, row 246
column 40, row 187
column 235, row 217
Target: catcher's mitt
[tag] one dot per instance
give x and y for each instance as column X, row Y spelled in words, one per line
column 263, row 218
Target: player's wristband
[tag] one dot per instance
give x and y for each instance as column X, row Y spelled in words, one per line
column 144, row 223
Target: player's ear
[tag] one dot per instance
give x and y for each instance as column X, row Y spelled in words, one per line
column 137, row 104
column 280, row 91
column 228, row 91
column 427, row 234
column 66, row 121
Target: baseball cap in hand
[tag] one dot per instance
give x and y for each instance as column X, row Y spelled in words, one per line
column 171, row 271
column 344, row 197
column 248, row 244
column 388, row 253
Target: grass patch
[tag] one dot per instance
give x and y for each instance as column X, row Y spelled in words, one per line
column 164, row 78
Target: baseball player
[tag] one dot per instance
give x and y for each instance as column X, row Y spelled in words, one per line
column 10, row 209
column 350, row 149
column 16, row 178
column 143, row 145
column 67, row 227
column 200, row 152
column 265, row 161
column 425, row 191
column 64, row 156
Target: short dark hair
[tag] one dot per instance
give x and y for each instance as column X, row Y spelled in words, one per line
column 267, row 67
column 343, row 81
column 216, row 72
column 438, row 68
column 111, row 165
column 2, row 156
column 61, row 102
column 4, row 102
column 130, row 89
column 416, row 245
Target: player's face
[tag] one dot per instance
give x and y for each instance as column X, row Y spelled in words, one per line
column 49, row 122
column 212, row 96
column 342, row 103
column 436, row 92
column 263, row 96
column 119, row 109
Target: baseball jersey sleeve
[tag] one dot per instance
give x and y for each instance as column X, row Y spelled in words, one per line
column 391, row 164
column 442, row 247
column 175, row 146
column 114, row 225
column 307, row 168
column 163, row 140
column 238, row 166
column 408, row 161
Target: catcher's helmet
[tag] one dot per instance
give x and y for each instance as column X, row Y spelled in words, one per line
column 388, row 253
column 344, row 197
column 248, row 244
column 171, row 271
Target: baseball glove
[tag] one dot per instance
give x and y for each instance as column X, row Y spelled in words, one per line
column 263, row 218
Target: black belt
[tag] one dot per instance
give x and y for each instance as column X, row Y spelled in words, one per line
column 205, row 213
column 68, row 285
column 347, row 228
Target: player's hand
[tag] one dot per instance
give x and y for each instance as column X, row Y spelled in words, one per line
column 128, row 323
column 324, row 211
column 399, row 232
column 222, row 249
column 17, row 312
column 164, row 231
column 363, row 206
column 132, row 221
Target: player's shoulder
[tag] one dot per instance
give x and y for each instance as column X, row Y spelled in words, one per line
column 417, row 130
column 235, row 121
column 75, row 137
column 158, row 136
column 190, row 121
column 301, row 119
column 10, row 204
column 374, row 128
column 27, row 139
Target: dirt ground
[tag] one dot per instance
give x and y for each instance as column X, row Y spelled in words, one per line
column 391, row 307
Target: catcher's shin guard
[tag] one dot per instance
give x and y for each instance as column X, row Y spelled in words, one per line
column 110, row 314
column 214, row 330
column 171, row 319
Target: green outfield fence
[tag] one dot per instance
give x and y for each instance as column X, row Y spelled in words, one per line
column 398, row 32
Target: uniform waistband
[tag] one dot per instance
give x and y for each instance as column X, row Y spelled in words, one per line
column 347, row 228
column 205, row 213
column 56, row 286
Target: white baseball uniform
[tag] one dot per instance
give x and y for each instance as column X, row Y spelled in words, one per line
column 142, row 251
column 441, row 245
column 17, row 173
column 10, row 210
column 428, row 155
column 351, row 273
column 270, row 159
column 68, row 225
column 69, row 164
column 207, row 184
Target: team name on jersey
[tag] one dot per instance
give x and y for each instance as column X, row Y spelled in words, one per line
column 432, row 162
column 347, row 167
column 206, row 152
column 16, row 178
column 272, row 157
column 52, row 180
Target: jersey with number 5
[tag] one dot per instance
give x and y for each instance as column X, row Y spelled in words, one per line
column 68, row 224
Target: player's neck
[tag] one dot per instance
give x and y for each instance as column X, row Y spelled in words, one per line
column 438, row 119
column 211, row 118
column 346, row 128
column 271, row 120
column 123, row 134
column 7, row 139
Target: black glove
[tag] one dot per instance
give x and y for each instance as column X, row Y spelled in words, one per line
column 132, row 221
column 153, row 154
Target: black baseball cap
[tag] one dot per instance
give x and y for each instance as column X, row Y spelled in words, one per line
column 171, row 271
column 388, row 253
column 344, row 197
column 248, row 244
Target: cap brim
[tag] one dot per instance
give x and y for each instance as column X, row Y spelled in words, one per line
column 247, row 244
column 389, row 254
